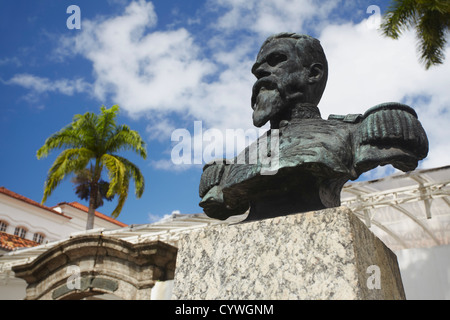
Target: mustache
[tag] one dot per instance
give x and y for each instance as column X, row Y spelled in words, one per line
column 267, row 82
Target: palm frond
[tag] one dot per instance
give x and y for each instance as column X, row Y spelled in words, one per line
column 135, row 173
column 103, row 187
column 120, row 171
column 431, row 19
column 69, row 161
column 431, row 34
column 107, row 122
column 116, row 172
column 123, row 195
column 400, row 16
column 82, row 181
column 126, row 139
column 86, row 126
column 68, row 137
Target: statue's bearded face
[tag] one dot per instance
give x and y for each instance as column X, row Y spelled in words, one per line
column 281, row 80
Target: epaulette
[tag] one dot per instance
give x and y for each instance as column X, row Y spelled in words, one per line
column 390, row 106
column 349, row 118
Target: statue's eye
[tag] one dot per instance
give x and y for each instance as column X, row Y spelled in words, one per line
column 276, row 58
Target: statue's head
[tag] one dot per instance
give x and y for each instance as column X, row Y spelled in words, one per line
column 292, row 72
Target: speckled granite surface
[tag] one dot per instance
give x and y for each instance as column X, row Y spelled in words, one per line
column 315, row 255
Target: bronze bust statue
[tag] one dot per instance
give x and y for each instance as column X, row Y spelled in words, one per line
column 316, row 157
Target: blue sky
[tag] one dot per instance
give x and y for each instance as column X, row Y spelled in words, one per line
column 170, row 63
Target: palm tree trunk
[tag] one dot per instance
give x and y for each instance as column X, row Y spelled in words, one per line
column 91, row 216
column 93, row 195
column 92, row 202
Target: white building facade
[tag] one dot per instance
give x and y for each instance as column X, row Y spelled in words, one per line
column 30, row 220
column 25, row 223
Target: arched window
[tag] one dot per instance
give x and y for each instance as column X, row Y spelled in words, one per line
column 3, row 226
column 38, row 237
column 21, row 232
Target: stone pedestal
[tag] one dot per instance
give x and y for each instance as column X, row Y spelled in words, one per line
column 326, row 254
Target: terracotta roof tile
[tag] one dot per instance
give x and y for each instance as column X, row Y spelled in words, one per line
column 10, row 242
column 97, row 214
column 17, row 196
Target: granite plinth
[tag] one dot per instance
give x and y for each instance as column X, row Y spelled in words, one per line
column 326, row 254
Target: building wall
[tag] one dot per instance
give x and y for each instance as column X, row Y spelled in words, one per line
column 425, row 272
column 54, row 227
column 79, row 218
column 12, row 288
column 38, row 220
column 17, row 213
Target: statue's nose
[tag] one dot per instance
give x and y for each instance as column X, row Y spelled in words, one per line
column 260, row 70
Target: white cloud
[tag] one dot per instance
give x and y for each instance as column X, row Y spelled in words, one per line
column 167, row 164
column 160, row 128
column 265, row 17
column 367, row 69
column 39, row 85
column 142, row 70
column 153, row 218
column 207, row 76
column 10, row 61
column 163, row 72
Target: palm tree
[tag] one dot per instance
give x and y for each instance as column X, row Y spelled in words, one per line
column 83, row 182
column 94, row 140
column 431, row 19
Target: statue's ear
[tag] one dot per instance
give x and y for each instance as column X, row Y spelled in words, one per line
column 315, row 72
